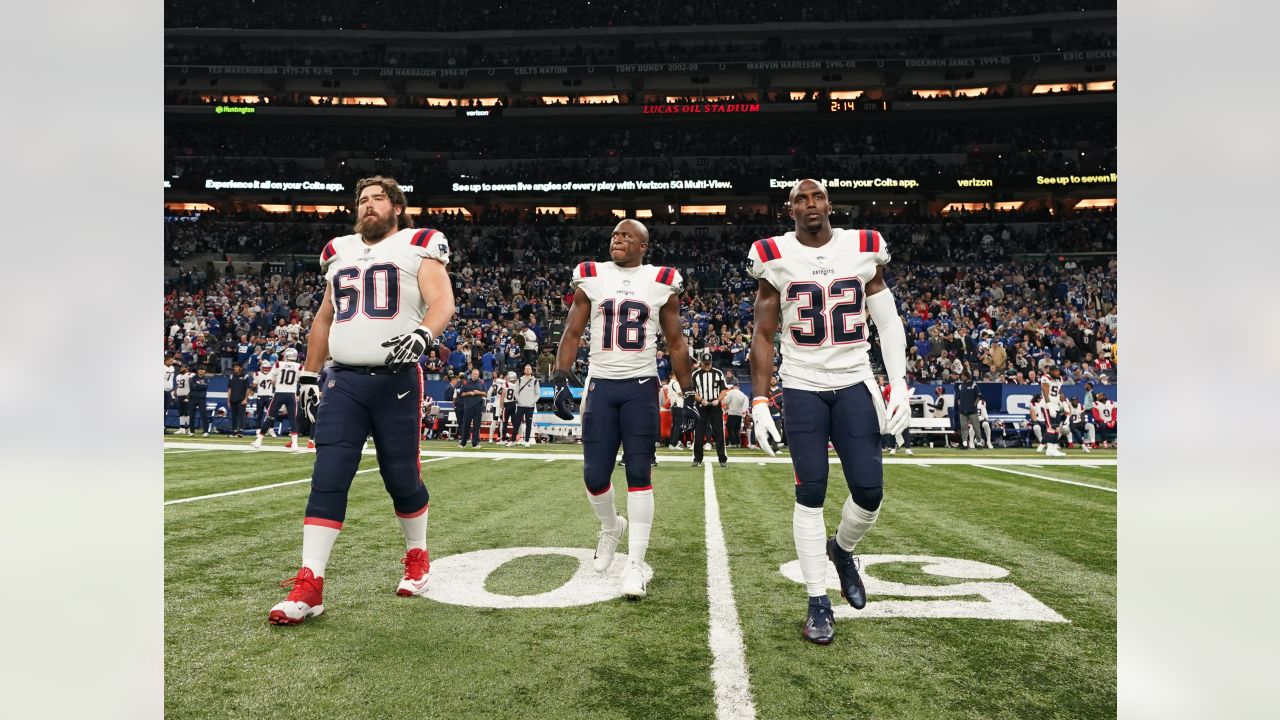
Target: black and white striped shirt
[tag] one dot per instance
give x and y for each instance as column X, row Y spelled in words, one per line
column 708, row 383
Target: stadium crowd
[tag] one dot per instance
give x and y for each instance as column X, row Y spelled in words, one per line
column 455, row 15
column 968, row 305
column 902, row 136
column 608, row 52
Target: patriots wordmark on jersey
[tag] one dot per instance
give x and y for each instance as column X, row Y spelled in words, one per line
column 624, row 315
column 374, row 290
column 825, row 338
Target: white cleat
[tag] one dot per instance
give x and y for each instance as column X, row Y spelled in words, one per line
column 257, row 442
column 909, row 452
column 893, row 451
column 634, row 582
column 1085, row 448
column 1040, row 448
column 1053, row 451
column 607, row 544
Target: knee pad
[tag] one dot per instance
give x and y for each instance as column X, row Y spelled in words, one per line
column 811, row 493
column 639, row 471
column 867, row 498
column 596, row 474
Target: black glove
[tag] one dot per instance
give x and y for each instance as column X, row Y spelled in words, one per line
column 689, row 422
column 309, row 395
column 407, row 349
column 563, row 402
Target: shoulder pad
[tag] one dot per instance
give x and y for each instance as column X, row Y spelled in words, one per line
column 767, row 250
column 327, row 254
column 868, row 241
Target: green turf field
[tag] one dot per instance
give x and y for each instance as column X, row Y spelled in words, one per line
column 372, row 654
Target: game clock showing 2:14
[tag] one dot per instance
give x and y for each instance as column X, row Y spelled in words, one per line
column 858, row 105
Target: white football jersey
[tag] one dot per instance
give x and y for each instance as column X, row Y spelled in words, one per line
column 182, row 384
column 284, row 376
column 374, row 290
column 497, row 392
column 1054, row 388
column 169, row 372
column 825, row 337
column 262, row 382
column 624, row 315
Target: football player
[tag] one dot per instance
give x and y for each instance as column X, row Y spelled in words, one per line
column 284, row 381
column 1080, row 425
column 387, row 297
column 1105, row 416
column 169, row 372
column 182, row 394
column 822, row 285
column 263, row 390
column 509, row 406
column 1047, row 426
column 625, row 302
column 494, row 399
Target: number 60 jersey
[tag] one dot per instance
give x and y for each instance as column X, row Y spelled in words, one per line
column 824, row 322
column 624, row 315
column 375, row 290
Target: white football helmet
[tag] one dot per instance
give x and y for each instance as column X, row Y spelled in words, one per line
column 291, row 355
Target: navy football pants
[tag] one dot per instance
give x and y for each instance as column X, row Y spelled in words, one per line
column 849, row 419
column 357, row 405
column 290, row 402
column 619, row 412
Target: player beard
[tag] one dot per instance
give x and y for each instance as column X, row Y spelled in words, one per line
column 375, row 227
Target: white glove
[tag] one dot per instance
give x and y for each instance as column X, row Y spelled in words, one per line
column 308, row 394
column 897, row 411
column 762, row 425
column 407, row 349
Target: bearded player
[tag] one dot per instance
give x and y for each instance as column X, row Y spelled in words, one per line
column 823, row 284
column 387, row 297
column 625, row 302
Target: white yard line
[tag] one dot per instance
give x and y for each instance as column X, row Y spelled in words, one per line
column 1045, row 477
column 728, row 657
column 752, row 459
column 241, row 491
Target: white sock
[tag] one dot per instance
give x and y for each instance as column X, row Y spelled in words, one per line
column 603, row 505
column 317, row 543
column 293, row 438
column 810, row 533
column 415, row 530
column 855, row 521
column 640, row 519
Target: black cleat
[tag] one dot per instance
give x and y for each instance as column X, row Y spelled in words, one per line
column 724, row 463
column 697, row 463
column 820, row 626
column 851, row 587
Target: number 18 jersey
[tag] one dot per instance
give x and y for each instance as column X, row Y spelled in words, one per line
column 374, row 290
column 825, row 337
column 624, row 315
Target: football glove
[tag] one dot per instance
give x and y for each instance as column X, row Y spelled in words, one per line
column 762, row 426
column 563, row 402
column 689, row 421
column 407, row 349
column 309, row 394
column 897, row 412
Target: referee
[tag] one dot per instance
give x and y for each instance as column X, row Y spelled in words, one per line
column 708, row 384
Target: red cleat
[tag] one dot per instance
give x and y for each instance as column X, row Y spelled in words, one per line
column 417, row 565
column 304, row 599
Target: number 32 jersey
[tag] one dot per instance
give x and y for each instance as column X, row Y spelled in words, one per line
column 825, row 337
column 374, row 290
column 624, row 315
